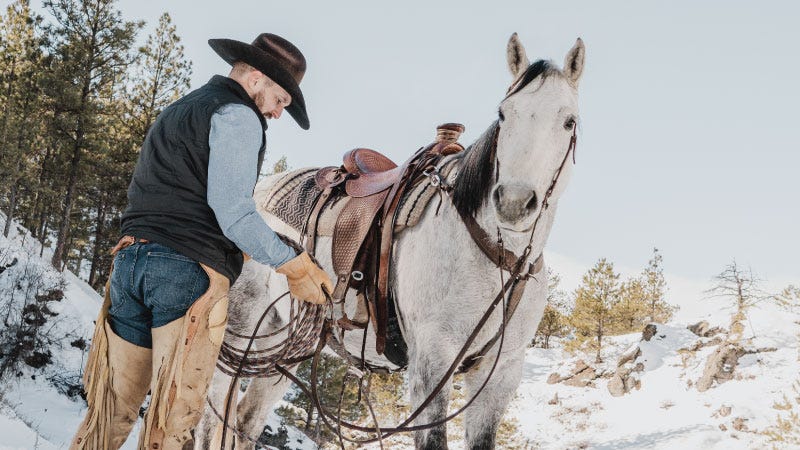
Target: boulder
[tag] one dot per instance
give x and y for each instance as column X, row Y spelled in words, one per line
column 739, row 424
column 649, row 331
column 624, row 379
column 700, row 328
column 581, row 375
column 703, row 329
column 720, row 365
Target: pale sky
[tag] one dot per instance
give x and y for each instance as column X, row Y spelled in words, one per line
column 688, row 110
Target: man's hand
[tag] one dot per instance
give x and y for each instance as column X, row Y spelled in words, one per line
column 306, row 279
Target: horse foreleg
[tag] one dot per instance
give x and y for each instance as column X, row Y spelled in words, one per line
column 426, row 370
column 483, row 417
column 208, row 433
column 254, row 407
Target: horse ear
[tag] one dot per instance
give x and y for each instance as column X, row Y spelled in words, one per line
column 517, row 59
column 573, row 63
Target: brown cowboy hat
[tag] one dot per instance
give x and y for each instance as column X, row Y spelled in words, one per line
column 276, row 58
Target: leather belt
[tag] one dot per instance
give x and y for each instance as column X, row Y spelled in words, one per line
column 127, row 241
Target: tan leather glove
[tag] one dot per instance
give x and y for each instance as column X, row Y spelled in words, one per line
column 306, row 279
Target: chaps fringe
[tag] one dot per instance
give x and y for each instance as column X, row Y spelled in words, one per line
column 97, row 385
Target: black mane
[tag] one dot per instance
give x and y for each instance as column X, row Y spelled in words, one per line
column 477, row 162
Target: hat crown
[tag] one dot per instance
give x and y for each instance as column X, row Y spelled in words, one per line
column 286, row 54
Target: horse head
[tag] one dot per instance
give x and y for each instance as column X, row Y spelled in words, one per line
column 519, row 162
column 537, row 120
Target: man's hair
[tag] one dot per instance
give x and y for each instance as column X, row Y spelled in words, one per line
column 240, row 69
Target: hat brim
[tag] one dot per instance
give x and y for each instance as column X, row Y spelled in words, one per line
column 233, row 51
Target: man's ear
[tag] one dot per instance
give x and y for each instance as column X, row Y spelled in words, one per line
column 253, row 77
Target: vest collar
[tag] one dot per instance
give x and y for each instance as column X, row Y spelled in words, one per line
column 236, row 88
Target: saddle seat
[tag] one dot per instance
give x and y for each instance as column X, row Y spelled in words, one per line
column 370, row 172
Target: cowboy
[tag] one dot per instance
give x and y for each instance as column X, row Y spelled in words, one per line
column 190, row 217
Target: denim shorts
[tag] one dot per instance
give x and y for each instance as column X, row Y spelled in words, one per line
column 151, row 286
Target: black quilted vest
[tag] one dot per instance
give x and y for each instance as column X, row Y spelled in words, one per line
column 167, row 195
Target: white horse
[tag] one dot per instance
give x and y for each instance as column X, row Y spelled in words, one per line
column 442, row 282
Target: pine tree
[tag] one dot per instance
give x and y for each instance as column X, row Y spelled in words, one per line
column 554, row 319
column 654, row 287
column 332, row 378
column 162, row 75
column 92, row 46
column 594, row 300
column 630, row 313
column 21, row 59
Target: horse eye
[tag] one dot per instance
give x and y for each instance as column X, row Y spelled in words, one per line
column 500, row 115
column 569, row 124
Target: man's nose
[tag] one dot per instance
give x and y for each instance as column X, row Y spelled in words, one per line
column 276, row 113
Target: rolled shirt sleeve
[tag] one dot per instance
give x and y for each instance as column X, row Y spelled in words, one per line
column 235, row 140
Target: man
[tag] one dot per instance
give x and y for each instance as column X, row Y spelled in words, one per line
column 190, row 216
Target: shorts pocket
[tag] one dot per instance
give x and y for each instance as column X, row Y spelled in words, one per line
column 120, row 282
column 172, row 282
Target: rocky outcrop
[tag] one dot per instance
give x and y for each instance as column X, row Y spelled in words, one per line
column 581, row 375
column 720, row 365
column 625, row 378
column 703, row 329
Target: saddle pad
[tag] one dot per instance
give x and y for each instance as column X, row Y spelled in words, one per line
column 292, row 196
column 412, row 205
column 416, row 199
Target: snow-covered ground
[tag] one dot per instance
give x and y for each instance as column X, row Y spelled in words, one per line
column 33, row 413
column 667, row 412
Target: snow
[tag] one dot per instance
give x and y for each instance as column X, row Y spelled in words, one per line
column 33, row 413
column 667, row 412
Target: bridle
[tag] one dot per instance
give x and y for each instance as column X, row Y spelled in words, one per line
column 520, row 269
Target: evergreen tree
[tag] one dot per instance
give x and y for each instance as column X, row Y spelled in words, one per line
column 654, row 287
column 630, row 313
column 21, row 59
column 162, row 75
column 554, row 319
column 594, row 299
column 332, row 377
column 92, row 46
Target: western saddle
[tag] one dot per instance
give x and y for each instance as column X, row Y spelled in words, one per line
column 364, row 230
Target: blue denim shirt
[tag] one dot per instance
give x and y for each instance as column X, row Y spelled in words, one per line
column 235, row 140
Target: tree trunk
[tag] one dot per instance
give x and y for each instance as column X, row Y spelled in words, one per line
column 597, row 358
column 99, row 240
column 43, row 234
column 12, row 204
column 63, row 229
column 80, row 131
column 309, row 416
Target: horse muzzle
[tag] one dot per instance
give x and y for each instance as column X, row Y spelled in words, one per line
column 515, row 205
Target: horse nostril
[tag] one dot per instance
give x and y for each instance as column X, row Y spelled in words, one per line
column 497, row 194
column 531, row 205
